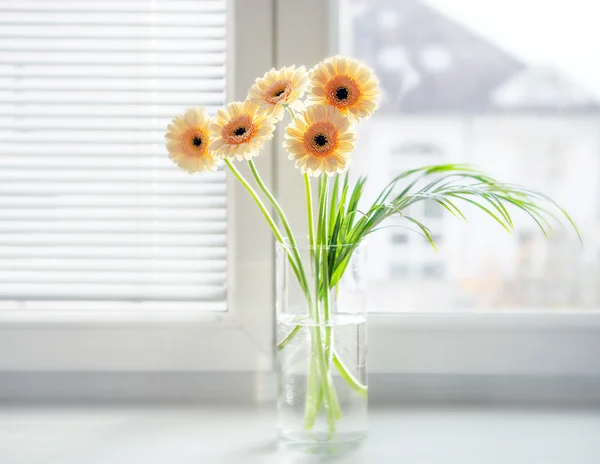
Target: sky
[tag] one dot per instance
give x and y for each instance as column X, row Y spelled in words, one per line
column 564, row 33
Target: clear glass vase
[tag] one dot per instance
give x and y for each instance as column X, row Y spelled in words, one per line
column 321, row 347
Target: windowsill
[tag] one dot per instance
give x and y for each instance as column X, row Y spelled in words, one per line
column 250, row 388
column 182, row 434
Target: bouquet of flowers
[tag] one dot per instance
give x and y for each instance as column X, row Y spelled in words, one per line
column 324, row 106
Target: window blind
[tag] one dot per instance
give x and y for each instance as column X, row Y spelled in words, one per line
column 92, row 211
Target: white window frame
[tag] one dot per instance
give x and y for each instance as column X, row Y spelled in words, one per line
column 130, row 340
column 262, row 34
column 531, row 343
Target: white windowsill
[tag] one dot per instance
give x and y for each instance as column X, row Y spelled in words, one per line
column 183, row 434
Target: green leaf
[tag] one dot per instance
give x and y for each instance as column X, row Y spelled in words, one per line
column 479, row 205
column 451, row 208
column 446, row 184
column 333, row 204
column 424, row 229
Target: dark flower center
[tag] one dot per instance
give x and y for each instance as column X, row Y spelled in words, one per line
column 197, row 141
column 279, row 93
column 320, row 140
column 239, row 131
column 342, row 93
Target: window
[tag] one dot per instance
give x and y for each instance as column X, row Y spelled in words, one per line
column 494, row 305
column 431, row 209
column 433, row 271
column 399, row 239
column 463, row 77
column 110, row 257
column 399, row 271
column 436, row 238
column 472, row 93
column 416, row 148
column 91, row 209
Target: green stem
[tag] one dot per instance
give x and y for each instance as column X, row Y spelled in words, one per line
column 324, row 246
column 281, row 345
column 317, row 349
column 312, row 393
column 309, row 209
column 337, row 361
column 348, row 377
column 322, row 282
column 330, row 403
column 319, row 400
column 324, row 230
column 256, row 198
column 286, row 226
column 317, row 353
column 345, row 373
column 309, row 205
column 264, row 211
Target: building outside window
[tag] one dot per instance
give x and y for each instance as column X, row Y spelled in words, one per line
column 456, row 92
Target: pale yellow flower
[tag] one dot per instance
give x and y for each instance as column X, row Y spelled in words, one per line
column 240, row 131
column 319, row 140
column 279, row 88
column 346, row 84
column 188, row 138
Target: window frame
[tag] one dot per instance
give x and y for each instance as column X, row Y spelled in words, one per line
column 522, row 344
column 528, row 343
column 239, row 339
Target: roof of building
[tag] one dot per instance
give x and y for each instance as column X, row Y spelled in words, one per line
column 428, row 62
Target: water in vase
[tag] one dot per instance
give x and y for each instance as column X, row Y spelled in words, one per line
column 304, row 420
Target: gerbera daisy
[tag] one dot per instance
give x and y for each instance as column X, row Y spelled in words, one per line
column 277, row 88
column 320, row 140
column 346, row 84
column 240, row 131
column 188, row 138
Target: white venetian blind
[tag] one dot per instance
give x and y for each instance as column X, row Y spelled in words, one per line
column 92, row 211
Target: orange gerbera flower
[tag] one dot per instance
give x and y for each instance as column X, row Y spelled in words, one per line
column 240, row 131
column 188, row 138
column 279, row 88
column 346, row 84
column 320, row 140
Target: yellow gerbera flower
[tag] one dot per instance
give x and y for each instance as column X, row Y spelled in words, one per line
column 188, row 138
column 346, row 84
column 277, row 88
column 240, row 131
column 320, row 140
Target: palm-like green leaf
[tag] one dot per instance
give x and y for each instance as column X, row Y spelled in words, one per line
column 446, row 184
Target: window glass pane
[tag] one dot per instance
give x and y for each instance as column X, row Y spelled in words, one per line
column 400, row 238
column 433, row 271
column 431, row 209
column 92, row 211
column 399, row 271
column 494, row 85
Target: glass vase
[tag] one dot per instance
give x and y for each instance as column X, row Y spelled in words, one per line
column 321, row 347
